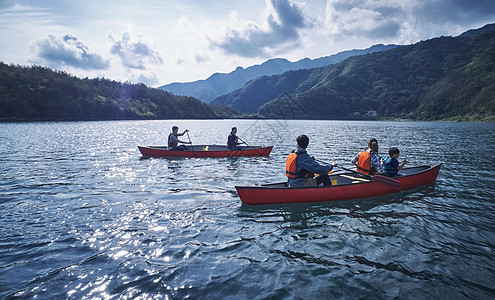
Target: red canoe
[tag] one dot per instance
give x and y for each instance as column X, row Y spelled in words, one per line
column 205, row 151
column 345, row 186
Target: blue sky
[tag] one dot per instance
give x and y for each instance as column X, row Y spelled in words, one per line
column 159, row 42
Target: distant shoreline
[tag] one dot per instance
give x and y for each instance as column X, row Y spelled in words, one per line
column 453, row 120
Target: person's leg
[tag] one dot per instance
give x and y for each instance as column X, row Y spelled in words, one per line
column 310, row 182
column 323, row 178
column 179, row 148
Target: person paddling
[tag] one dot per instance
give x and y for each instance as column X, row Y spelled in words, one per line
column 369, row 162
column 300, row 167
column 233, row 140
column 173, row 140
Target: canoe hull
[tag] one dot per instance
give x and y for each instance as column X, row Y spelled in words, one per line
column 359, row 188
column 204, row 151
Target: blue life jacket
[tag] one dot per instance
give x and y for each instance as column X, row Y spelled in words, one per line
column 391, row 166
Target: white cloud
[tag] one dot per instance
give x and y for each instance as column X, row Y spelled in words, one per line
column 402, row 21
column 200, row 59
column 68, row 51
column 148, row 78
column 362, row 18
column 190, row 40
column 25, row 12
column 280, row 30
column 136, row 54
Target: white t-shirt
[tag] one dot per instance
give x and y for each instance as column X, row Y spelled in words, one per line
column 172, row 139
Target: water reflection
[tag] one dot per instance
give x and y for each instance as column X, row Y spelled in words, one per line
column 87, row 217
column 233, row 164
column 358, row 208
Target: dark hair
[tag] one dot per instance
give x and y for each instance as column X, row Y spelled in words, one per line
column 233, row 128
column 174, row 128
column 373, row 145
column 302, row 141
column 393, row 150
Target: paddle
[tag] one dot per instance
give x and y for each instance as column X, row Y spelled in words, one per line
column 243, row 141
column 324, row 162
column 191, row 143
column 385, row 180
column 187, row 132
column 329, row 173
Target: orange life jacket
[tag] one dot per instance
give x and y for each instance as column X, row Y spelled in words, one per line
column 364, row 160
column 290, row 168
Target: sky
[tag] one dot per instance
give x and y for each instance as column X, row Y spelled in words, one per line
column 157, row 42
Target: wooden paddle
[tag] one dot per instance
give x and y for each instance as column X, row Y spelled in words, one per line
column 192, row 147
column 329, row 173
column 243, row 141
column 190, row 142
column 382, row 179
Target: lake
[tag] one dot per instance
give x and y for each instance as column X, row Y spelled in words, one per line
column 83, row 215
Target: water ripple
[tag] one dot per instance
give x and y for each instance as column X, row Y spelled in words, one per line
column 84, row 216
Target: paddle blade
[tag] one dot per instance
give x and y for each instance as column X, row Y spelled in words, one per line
column 388, row 181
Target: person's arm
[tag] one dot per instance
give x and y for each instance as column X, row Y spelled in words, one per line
column 187, row 130
column 402, row 166
column 376, row 162
column 354, row 161
column 184, row 132
column 307, row 163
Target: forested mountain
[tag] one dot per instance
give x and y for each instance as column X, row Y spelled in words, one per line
column 220, row 83
column 448, row 78
column 442, row 78
column 39, row 93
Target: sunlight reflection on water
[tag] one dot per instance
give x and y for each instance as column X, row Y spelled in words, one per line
column 84, row 216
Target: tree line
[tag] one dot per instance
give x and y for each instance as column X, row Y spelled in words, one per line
column 38, row 93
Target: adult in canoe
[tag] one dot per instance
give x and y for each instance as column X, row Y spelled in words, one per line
column 300, row 167
column 233, row 140
column 368, row 161
column 173, row 140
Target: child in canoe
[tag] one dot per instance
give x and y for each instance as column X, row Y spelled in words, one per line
column 391, row 164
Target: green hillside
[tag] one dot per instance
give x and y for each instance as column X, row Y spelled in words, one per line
column 221, row 83
column 262, row 90
column 38, row 93
column 446, row 78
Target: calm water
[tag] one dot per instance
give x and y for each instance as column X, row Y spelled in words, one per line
column 83, row 215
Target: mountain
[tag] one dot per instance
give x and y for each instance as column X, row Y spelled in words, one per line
column 38, row 94
column 449, row 78
column 263, row 89
column 474, row 32
column 221, row 83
